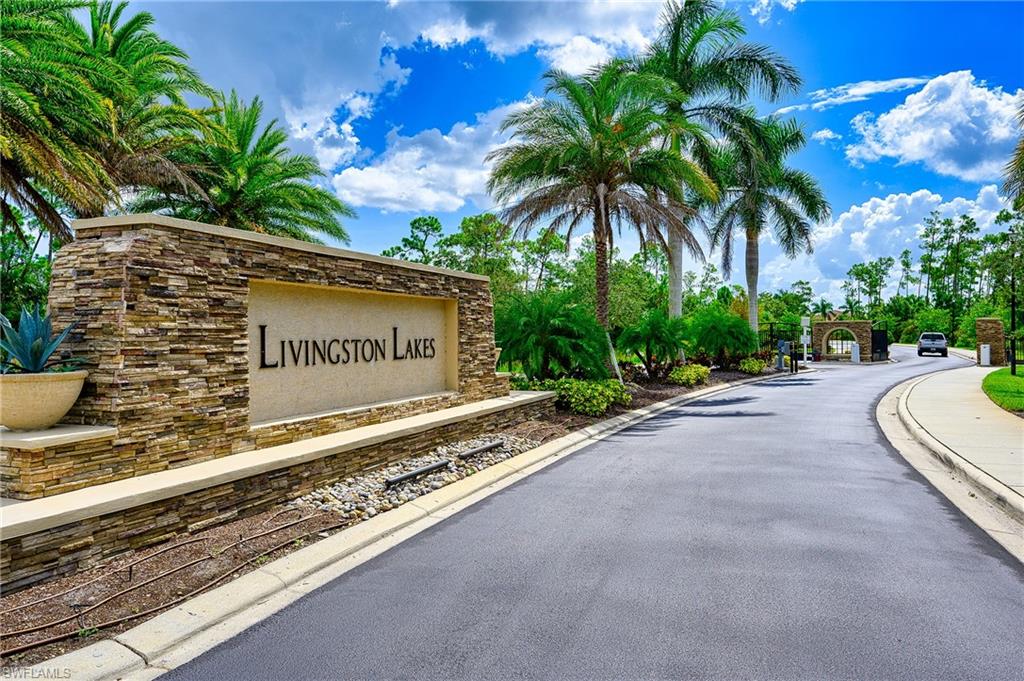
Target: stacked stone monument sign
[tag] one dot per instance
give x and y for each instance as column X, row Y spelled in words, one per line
column 204, row 342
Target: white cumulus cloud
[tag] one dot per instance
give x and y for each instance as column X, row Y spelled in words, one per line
column 955, row 125
column 335, row 142
column 884, row 226
column 825, row 135
column 762, row 9
column 578, row 55
column 429, row 171
column 570, row 35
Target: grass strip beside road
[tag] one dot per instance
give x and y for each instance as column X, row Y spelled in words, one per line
column 1005, row 389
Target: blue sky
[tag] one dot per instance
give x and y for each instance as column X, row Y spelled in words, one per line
column 908, row 106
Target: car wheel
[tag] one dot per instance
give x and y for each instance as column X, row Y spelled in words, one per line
column 919, row 353
column 945, row 353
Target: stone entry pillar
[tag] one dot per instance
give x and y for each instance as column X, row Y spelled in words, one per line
column 989, row 330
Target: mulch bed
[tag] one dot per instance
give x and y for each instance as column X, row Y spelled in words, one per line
column 82, row 608
column 563, row 422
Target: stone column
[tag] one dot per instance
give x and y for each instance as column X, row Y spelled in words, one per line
column 989, row 330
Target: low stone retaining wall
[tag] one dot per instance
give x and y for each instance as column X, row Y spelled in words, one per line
column 36, row 472
column 79, row 543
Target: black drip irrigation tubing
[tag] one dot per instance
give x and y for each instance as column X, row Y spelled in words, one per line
column 207, row 585
column 127, row 618
column 128, row 567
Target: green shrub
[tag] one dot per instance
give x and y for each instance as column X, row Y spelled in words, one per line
column 520, row 382
column 656, row 340
column 721, row 336
column 551, row 336
column 592, row 398
column 690, row 375
column 752, row 366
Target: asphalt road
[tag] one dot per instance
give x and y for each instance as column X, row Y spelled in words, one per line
column 768, row 532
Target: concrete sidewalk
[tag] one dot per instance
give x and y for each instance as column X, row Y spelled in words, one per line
column 952, row 408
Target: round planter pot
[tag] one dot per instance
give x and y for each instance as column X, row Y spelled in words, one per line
column 37, row 401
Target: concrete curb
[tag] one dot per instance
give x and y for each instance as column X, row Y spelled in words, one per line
column 995, row 491
column 187, row 630
column 1000, row 526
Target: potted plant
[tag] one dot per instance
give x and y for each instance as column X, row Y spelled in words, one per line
column 36, row 389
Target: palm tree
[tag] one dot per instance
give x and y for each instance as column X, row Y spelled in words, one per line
column 762, row 190
column 48, row 106
column 589, row 151
column 250, row 180
column 700, row 50
column 147, row 118
column 1014, row 184
column 822, row 308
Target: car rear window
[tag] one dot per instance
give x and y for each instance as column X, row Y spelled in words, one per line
column 932, row 336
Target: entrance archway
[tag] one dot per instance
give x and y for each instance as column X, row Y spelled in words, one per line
column 838, row 344
column 835, row 339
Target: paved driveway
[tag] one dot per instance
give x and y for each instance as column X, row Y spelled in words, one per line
column 768, row 532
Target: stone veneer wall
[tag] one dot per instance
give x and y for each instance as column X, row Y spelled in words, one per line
column 36, row 473
column 990, row 330
column 62, row 550
column 161, row 311
column 861, row 330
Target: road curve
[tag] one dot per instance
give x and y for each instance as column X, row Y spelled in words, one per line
column 768, row 532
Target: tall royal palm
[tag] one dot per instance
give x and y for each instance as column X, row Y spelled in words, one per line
column 250, row 180
column 761, row 192
column 700, row 49
column 589, row 152
column 147, row 118
column 48, row 106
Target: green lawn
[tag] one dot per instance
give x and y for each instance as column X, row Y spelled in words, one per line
column 1005, row 390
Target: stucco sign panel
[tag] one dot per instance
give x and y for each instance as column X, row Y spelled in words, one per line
column 316, row 349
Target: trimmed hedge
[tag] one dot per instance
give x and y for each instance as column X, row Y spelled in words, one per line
column 690, row 375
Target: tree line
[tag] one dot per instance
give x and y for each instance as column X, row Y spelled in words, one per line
column 959, row 275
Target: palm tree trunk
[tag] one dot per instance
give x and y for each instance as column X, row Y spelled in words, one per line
column 675, row 280
column 675, row 274
column 601, row 256
column 752, row 267
column 601, row 276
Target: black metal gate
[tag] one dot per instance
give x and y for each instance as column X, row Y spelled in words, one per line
column 771, row 333
column 879, row 345
column 1014, row 354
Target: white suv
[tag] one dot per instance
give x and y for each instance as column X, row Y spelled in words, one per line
column 932, row 342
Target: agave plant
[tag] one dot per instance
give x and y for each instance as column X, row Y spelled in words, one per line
column 29, row 349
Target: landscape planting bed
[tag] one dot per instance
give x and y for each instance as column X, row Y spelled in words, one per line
column 41, row 622
column 562, row 422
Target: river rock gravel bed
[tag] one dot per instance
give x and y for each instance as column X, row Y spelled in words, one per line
column 364, row 496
